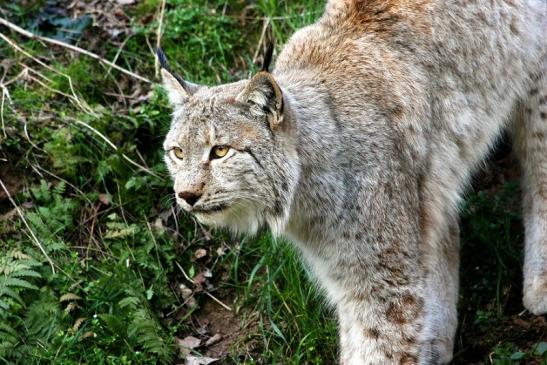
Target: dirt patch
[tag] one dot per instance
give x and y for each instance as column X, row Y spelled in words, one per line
column 12, row 179
column 524, row 330
column 230, row 332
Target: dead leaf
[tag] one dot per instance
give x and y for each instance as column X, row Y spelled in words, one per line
column 158, row 224
column 221, row 251
column 185, row 291
column 187, row 344
column 207, row 234
column 104, row 198
column 198, row 280
column 187, row 294
column 200, row 252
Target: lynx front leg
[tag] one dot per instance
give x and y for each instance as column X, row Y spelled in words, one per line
column 380, row 334
column 530, row 139
column 442, row 261
column 380, row 305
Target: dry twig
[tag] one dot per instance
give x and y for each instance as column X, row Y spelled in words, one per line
column 21, row 50
column 158, row 37
column 262, row 39
column 71, row 47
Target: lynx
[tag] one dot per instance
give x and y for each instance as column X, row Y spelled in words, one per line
column 358, row 147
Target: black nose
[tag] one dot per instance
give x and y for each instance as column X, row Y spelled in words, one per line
column 189, row 197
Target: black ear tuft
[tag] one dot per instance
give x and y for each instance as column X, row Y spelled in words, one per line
column 163, row 63
column 268, row 57
column 162, row 59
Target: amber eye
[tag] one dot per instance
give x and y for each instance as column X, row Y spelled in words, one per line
column 219, row 151
column 177, row 152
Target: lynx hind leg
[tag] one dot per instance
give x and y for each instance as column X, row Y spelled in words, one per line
column 442, row 295
column 530, row 140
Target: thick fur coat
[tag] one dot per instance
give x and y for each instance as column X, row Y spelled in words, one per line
column 358, row 147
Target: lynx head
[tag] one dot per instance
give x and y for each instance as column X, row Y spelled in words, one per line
column 229, row 151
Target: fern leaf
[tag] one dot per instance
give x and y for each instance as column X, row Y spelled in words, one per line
column 130, row 302
column 16, row 282
column 27, row 273
column 4, row 327
column 148, row 333
column 4, row 290
column 6, row 337
column 4, row 305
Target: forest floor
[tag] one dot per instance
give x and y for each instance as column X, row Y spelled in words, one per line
column 97, row 265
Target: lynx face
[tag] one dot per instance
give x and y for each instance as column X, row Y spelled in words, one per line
column 220, row 152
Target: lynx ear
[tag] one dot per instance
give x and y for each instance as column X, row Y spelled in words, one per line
column 177, row 89
column 265, row 98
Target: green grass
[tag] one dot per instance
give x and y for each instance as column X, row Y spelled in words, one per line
column 120, row 249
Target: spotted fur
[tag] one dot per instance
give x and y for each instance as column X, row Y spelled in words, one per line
column 358, row 147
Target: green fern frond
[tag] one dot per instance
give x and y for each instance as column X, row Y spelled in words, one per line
column 6, row 291
column 148, row 333
column 43, row 317
column 7, row 339
column 27, row 273
column 129, row 302
column 17, row 282
column 60, row 188
column 4, row 327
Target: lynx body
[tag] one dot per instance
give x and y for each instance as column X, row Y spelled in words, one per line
column 358, row 147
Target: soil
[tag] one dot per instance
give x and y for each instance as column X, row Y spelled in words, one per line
column 12, row 179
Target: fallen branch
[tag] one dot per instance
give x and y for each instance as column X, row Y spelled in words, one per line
column 72, row 48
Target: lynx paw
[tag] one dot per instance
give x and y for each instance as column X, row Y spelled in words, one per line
column 535, row 293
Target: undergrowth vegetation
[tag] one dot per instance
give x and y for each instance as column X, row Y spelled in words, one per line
column 97, row 265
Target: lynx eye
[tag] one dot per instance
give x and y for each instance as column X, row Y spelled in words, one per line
column 177, row 152
column 219, row 151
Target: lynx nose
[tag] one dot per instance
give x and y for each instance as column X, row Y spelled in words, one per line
column 189, row 197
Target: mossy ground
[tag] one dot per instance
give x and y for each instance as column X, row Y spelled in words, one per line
column 80, row 152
